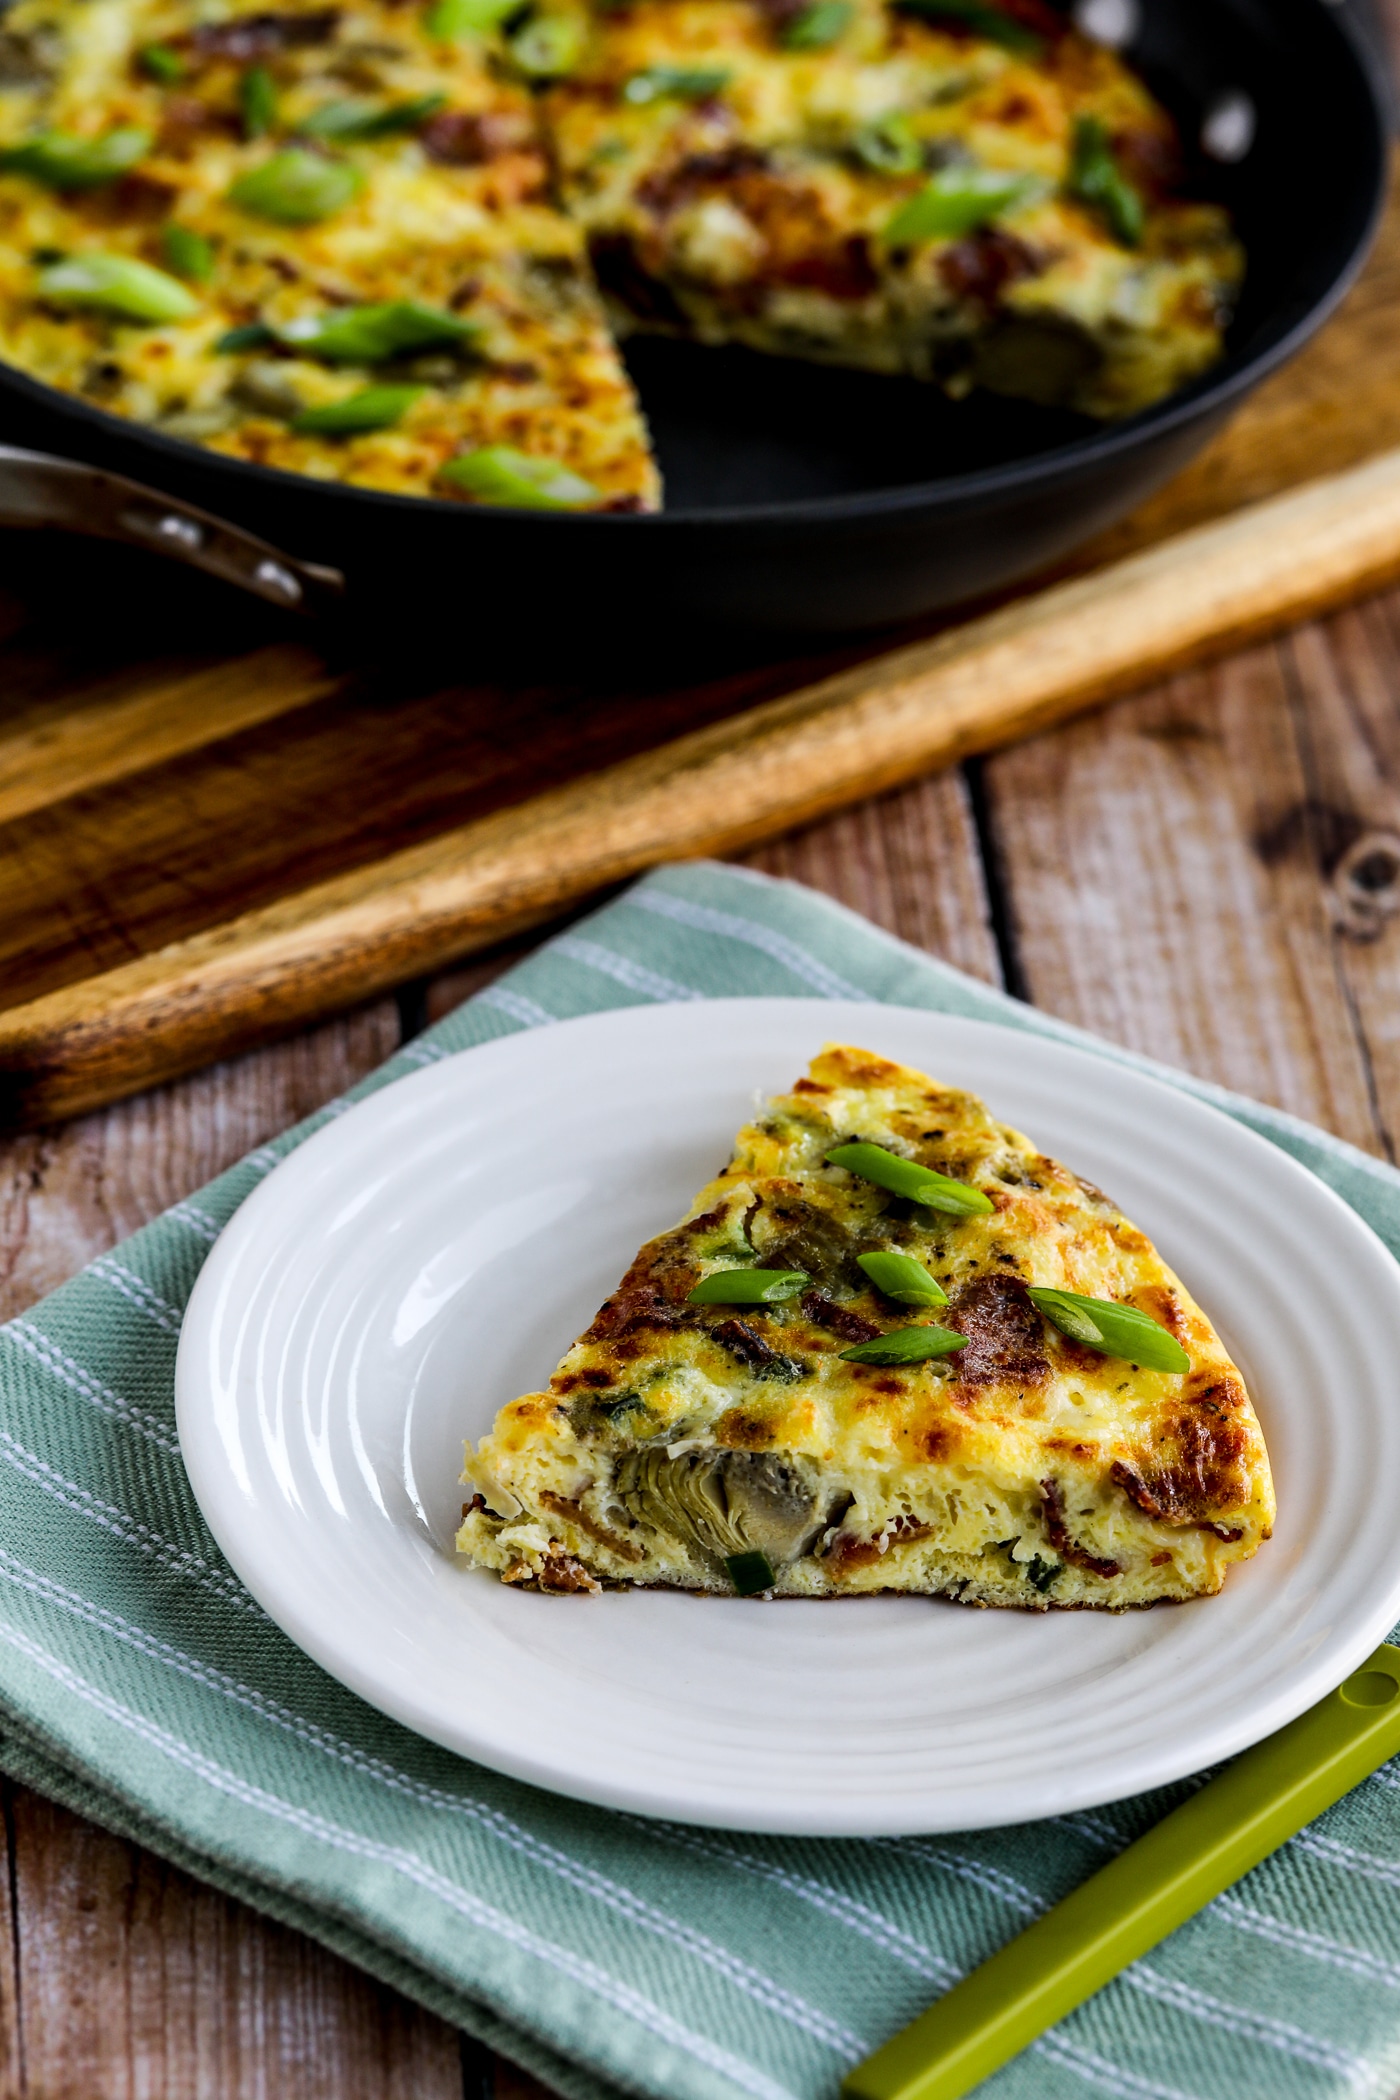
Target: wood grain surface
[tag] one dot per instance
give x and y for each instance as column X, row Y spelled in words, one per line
column 1209, row 871
column 203, row 848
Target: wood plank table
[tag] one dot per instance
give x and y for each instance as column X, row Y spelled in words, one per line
column 1208, row 872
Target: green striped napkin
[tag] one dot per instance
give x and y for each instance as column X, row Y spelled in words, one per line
column 140, row 1684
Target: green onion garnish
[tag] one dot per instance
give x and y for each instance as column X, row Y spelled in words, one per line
column 889, row 145
column 748, row 1287
column 750, row 1573
column 373, row 408
column 159, row 62
column 257, row 102
column 956, row 200
column 547, row 47
column 366, row 335
column 1096, row 178
column 296, row 188
column 188, row 253
column 448, row 20
column 65, row 162
column 906, row 1345
column 675, row 83
column 904, row 1177
column 517, row 480
column 1113, row 1329
column 118, row 285
column 824, row 23
column 978, row 19
column 902, row 1278
column 358, row 119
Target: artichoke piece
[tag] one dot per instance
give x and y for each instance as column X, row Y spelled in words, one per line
column 1046, row 361
column 731, row 1502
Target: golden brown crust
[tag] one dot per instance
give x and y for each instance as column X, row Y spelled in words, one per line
column 755, row 209
column 454, row 212
column 1023, row 1469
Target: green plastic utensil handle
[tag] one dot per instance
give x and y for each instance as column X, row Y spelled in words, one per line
column 1234, row 1821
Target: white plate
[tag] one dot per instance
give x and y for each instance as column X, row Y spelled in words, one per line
column 433, row 1252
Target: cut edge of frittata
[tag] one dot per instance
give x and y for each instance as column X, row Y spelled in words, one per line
column 720, row 1447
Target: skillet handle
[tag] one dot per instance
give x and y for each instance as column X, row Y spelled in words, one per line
column 38, row 489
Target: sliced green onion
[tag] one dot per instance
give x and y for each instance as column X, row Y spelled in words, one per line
column 448, row 20
column 188, row 253
column 249, row 335
column 906, row 1345
column 676, row 83
column 296, row 188
column 367, row 335
column 65, row 162
column 902, row 1278
column 748, row 1286
column 373, row 408
column 357, row 119
column 257, row 101
column 824, row 23
column 750, row 1573
column 1113, row 1329
column 159, row 62
column 979, row 19
column 888, row 146
column 547, row 47
column 954, row 201
column 119, row 285
column 517, row 480
column 905, row 1177
column 1096, row 178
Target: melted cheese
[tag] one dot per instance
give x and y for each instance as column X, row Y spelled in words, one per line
column 742, row 214
column 1025, row 1469
column 803, row 268
column 476, row 233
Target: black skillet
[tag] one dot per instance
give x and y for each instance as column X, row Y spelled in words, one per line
column 799, row 499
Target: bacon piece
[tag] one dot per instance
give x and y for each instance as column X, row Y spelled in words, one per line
column 670, row 188
column 460, row 138
column 1005, row 1333
column 580, row 1519
column 621, row 271
column 565, row 1576
column 249, row 37
column 1058, row 1534
column 838, row 1319
column 847, row 1552
column 843, row 272
column 980, row 267
column 745, row 1342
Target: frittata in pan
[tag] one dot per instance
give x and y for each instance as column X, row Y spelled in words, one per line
column 322, row 239
column 892, row 1347
column 938, row 187
column 353, row 240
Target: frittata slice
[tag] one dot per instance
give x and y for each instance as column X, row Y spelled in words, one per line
column 321, row 238
column 970, row 193
column 748, row 1411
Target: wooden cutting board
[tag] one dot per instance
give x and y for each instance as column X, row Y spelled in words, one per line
column 211, row 833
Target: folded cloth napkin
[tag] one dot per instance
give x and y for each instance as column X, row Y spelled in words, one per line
column 141, row 1684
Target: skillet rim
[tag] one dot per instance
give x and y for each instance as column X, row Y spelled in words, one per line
column 1196, row 402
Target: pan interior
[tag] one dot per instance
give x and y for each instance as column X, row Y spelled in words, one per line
column 732, row 427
